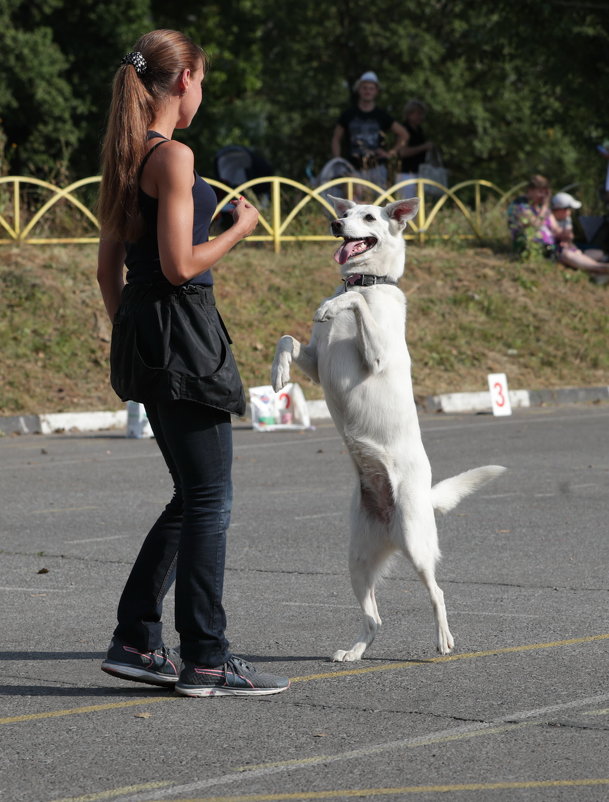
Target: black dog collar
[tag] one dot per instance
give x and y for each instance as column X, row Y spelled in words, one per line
column 366, row 280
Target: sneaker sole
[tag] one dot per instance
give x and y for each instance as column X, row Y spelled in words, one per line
column 138, row 674
column 193, row 690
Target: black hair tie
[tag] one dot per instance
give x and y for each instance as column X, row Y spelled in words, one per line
column 137, row 60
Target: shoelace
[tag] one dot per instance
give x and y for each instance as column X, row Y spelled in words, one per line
column 236, row 664
column 169, row 655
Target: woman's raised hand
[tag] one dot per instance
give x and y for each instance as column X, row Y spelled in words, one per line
column 245, row 216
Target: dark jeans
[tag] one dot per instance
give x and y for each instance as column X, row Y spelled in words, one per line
column 188, row 541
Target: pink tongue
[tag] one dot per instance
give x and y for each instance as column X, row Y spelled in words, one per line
column 346, row 250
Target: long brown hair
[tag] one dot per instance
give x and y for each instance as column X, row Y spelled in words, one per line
column 135, row 98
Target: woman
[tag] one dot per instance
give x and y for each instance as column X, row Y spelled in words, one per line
column 171, row 351
column 528, row 219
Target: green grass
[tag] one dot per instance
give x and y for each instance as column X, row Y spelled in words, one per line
column 472, row 310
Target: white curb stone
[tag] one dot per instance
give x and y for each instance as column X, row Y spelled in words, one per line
column 318, row 410
column 82, row 421
column 477, row 402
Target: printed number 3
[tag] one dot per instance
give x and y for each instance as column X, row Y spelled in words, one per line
column 499, row 397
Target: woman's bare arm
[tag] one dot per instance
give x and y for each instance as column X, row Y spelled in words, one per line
column 181, row 260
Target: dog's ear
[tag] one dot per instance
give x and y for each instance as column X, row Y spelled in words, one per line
column 341, row 204
column 402, row 211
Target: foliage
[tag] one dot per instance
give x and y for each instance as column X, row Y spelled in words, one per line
column 512, row 85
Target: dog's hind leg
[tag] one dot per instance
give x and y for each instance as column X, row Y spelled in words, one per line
column 369, row 552
column 421, row 547
column 444, row 639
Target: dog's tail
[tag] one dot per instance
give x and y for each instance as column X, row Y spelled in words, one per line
column 448, row 493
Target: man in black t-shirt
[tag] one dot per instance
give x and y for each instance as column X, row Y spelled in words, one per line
column 366, row 126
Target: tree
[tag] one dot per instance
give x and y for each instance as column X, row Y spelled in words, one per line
column 55, row 78
column 513, row 86
column 35, row 97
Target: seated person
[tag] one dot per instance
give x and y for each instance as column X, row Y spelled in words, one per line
column 365, row 126
column 413, row 154
column 560, row 225
column 527, row 218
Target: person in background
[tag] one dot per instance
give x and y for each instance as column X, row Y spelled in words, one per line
column 567, row 253
column 171, row 352
column 413, row 154
column 527, row 220
column 603, row 149
column 365, row 126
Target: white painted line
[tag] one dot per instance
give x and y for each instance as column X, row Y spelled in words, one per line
column 99, row 460
column 528, row 420
column 97, row 539
column 37, row 590
column 486, row 612
column 321, row 604
column 61, row 509
column 244, row 775
column 283, row 443
column 318, row 515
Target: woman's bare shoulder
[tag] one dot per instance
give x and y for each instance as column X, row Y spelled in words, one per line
column 174, row 156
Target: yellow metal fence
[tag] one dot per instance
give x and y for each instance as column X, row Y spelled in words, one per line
column 290, row 211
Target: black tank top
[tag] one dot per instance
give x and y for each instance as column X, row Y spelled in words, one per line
column 142, row 257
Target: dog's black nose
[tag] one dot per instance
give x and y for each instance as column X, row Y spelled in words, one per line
column 336, row 226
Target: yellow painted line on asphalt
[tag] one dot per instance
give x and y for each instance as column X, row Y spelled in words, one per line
column 348, row 793
column 325, row 675
column 126, row 789
column 596, row 712
column 447, row 658
column 72, row 711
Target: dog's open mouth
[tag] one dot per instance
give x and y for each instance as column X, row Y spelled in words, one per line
column 353, row 247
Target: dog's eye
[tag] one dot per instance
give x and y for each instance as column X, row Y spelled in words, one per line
column 370, row 217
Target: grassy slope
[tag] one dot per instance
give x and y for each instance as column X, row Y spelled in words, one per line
column 472, row 311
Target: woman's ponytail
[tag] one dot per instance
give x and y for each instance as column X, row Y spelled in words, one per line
column 145, row 77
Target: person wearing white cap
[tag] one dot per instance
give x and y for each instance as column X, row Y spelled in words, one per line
column 366, row 125
column 562, row 200
column 567, row 253
column 561, row 206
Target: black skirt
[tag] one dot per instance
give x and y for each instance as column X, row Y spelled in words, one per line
column 170, row 343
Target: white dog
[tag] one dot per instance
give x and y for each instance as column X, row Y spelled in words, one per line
column 359, row 355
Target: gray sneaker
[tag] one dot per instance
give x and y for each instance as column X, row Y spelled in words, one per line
column 160, row 667
column 234, row 678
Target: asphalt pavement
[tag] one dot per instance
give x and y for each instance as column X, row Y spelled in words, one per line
column 519, row 711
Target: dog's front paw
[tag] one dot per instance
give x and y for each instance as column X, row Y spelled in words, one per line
column 326, row 311
column 280, row 372
column 341, row 656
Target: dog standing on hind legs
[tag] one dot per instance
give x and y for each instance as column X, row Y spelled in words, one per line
column 358, row 353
